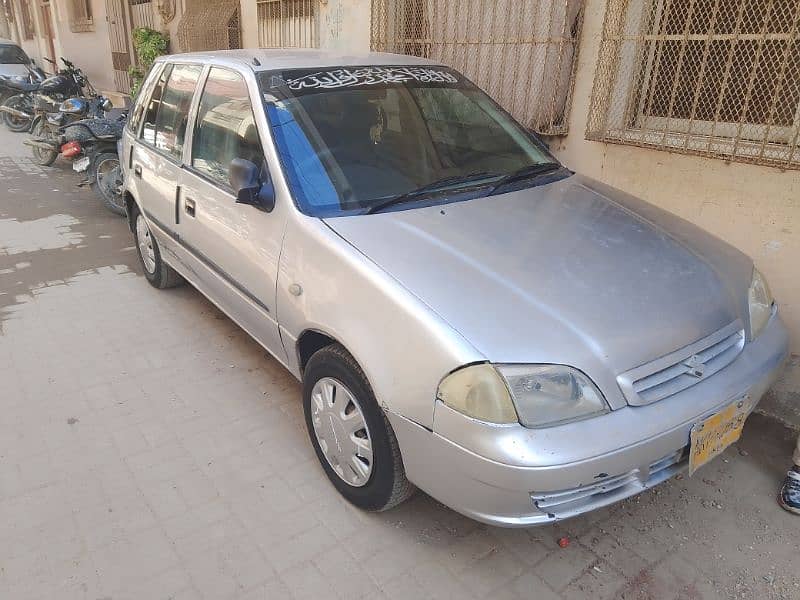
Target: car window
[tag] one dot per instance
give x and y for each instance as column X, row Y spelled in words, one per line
column 151, row 112
column 140, row 102
column 13, row 55
column 351, row 139
column 225, row 128
column 173, row 114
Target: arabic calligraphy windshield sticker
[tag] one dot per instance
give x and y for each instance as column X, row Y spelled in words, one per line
column 302, row 81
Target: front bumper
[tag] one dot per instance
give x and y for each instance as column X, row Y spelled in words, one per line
column 511, row 476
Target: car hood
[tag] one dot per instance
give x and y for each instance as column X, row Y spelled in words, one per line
column 572, row 272
column 11, row 70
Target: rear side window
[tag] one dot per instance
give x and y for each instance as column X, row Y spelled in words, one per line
column 151, row 111
column 136, row 112
column 173, row 114
column 225, row 127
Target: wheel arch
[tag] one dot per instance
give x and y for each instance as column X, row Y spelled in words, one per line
column 130, row 205
column 311, row 341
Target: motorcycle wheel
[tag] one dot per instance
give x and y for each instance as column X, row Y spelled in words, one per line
column 14, row 123
column 106, row 178
column 40, row 155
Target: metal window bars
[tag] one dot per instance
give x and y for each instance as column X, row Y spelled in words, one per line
column 522, row 52
column 288, row 23
column 718, row 78
column 80, row 16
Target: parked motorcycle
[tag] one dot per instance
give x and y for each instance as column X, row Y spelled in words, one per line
column 92, row 144
column 49, row 122
column 11, row 97
column 18, row 110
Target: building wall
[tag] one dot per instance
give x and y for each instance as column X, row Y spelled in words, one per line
column 89, row 50
column 344, row 25
column 757, row 209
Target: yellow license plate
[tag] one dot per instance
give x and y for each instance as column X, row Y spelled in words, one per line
column 712, row 435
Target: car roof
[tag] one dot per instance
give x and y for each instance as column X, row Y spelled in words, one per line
column 5, row 42
column 296, row 58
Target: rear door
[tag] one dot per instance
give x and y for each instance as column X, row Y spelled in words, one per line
column 158, row 151
column 235, row 246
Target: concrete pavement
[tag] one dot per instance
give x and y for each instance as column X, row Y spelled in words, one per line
column 149, row 449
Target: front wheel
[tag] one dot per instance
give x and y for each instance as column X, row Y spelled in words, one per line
column 350, row 433
column 106, row 178
column 13, row 122
column 42, row 156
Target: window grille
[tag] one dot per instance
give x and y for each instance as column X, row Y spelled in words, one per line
column 288, row 23
column 80, row 16
column 712, row 77
column 522, row 52
column 142, row 14
column 28, row 30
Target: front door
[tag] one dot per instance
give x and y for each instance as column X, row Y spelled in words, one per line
column 120, row 44
column 47, row 33
column 236, row 246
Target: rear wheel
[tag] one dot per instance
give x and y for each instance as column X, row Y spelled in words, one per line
column 350, row 433
column 158, row 273
column 13, row 122
column 106, row 178
column 41, row 155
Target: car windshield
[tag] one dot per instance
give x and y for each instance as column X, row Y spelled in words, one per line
column 12, row 55
column 353, row 140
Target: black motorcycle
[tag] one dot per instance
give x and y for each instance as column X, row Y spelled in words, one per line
column 20, row 104
column 18, row 110
column 50, row 120
column 92, row 144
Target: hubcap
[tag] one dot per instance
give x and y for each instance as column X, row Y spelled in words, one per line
column 341, row 431
column 145, row 244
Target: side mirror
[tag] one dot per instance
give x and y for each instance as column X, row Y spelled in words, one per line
column 248, row 185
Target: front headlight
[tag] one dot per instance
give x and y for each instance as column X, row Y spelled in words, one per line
column 533, row 395
column 551, row 394
column 478, row 392
column 759, row 300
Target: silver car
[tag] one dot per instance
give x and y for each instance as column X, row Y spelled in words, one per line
column 467, row 315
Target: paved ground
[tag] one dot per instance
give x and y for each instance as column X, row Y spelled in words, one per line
column 149, row 449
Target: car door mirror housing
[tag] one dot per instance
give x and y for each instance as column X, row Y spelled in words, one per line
column 250, row 186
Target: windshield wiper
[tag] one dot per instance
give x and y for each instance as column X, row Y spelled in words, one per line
column 433, row 186
column 525, row 173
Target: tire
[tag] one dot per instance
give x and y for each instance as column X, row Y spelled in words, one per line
column 156, row 271
column 41, row 156
column 106, row 181
column 12, row 123
column 386, row 486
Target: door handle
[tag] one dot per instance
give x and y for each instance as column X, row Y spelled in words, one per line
column 189, row 206
column 137, row 170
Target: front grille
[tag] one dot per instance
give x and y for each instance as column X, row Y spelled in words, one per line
column 565, row 503
column 683, row 368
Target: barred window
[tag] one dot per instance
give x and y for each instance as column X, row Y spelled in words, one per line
column 522, row 52
column 712, row 77
column 80, row 16
column 28, row 29
column 287, row 23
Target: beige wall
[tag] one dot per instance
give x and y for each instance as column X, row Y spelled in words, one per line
column 343, row 25
column 757, row 209
column 89, row 50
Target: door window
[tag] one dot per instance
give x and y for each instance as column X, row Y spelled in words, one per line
column 173, row 114
column 137, row 111
column 150, row 113
column 225, row 127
